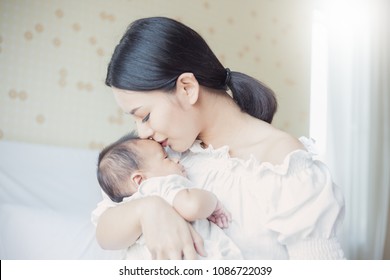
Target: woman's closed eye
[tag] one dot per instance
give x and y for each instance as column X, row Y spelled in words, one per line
column 146, row 118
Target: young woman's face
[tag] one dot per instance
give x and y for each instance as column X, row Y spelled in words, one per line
column 160, row 116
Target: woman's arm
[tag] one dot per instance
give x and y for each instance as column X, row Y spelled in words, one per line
column 119, row 227
column 167, row 234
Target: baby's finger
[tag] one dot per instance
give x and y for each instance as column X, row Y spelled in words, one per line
column 220, row 222
column 211, row 218
column 229, row 216
column 225, row 222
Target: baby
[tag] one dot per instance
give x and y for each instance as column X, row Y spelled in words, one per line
column 132, row 168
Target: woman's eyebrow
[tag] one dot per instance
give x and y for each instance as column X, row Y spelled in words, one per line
column 132, row 112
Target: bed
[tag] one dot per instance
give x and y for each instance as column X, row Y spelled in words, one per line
column 47, row 194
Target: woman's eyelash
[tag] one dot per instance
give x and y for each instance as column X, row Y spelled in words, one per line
column 146, row 118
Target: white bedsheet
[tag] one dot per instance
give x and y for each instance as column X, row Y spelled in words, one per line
column 47, row 194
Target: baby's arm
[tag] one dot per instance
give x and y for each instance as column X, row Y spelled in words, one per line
column 193, row 204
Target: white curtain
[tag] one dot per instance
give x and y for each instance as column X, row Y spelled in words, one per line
column 358, row 120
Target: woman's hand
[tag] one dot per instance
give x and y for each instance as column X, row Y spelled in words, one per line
column 167, row 234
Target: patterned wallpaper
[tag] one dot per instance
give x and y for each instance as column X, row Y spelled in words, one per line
column 54, row 54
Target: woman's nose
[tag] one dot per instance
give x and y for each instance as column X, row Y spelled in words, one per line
column 144, row 131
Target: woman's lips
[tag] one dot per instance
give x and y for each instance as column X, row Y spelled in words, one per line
column 164, row 143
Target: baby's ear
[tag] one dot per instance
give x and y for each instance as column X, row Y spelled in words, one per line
column 137, row 179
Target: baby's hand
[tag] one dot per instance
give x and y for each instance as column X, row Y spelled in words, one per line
column 221, row 217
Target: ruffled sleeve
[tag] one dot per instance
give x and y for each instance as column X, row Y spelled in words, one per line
column 306, row 208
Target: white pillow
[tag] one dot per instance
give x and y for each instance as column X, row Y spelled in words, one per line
column 47, row 194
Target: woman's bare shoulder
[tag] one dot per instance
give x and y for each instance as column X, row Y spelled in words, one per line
column 279, row 145
column 265, row 142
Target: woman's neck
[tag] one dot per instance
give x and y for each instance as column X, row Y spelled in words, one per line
column 225, row 124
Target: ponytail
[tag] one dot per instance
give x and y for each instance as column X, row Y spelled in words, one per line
column 252, row 96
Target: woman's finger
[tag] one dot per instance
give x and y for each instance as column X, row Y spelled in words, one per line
column 198, row 242
column 189, row 253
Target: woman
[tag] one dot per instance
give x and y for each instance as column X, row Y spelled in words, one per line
column 283, row 202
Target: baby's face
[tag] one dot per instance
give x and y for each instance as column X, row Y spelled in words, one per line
column 156, row 161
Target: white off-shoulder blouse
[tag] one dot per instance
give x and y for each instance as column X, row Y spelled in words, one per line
column 287, row 211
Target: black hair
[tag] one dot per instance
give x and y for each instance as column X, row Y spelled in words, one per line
column 155, row 51
column 116, row 163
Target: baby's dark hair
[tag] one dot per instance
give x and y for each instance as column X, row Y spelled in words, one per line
column 116, row 163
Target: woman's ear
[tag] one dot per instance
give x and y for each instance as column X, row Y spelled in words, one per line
column 187, row 89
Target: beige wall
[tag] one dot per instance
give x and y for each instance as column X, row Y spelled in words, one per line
column 53, row 57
